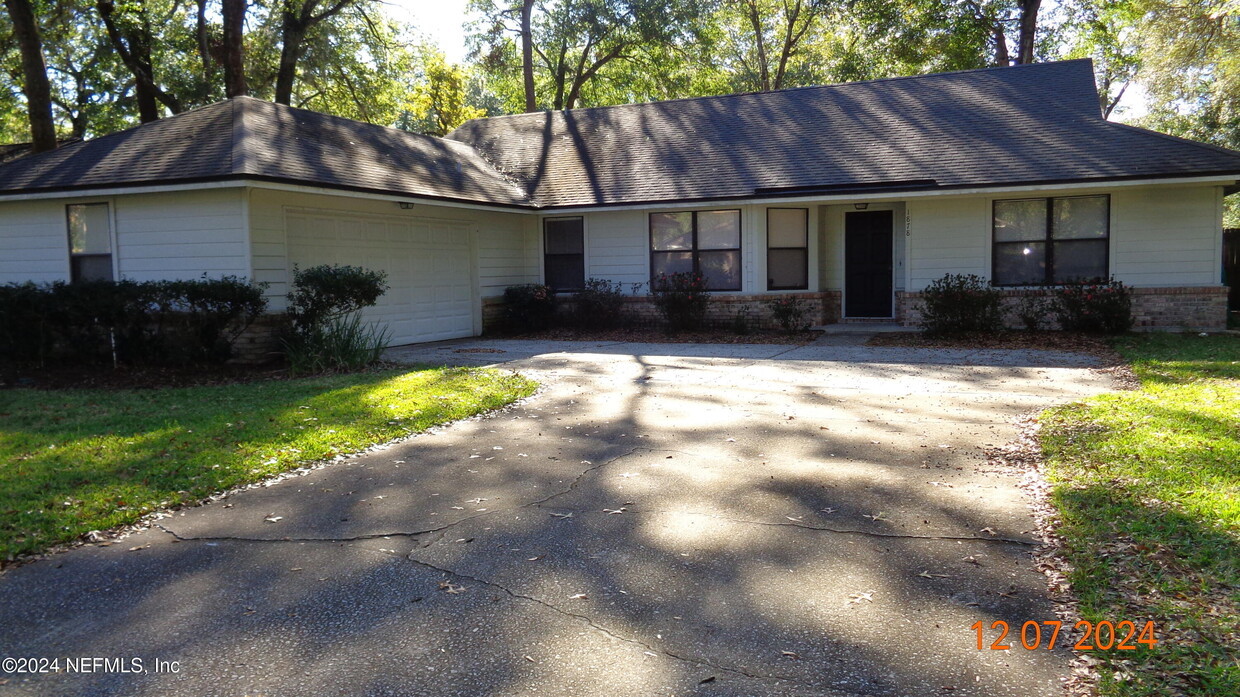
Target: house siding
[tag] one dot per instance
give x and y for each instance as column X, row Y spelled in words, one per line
column 507, row 248
column 35, row 242
column 181, row 235
column 163, row 236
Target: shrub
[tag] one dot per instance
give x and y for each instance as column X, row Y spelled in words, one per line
column 600, row 304
column 958, row 303
column 529, row 306
column 1032, row 310
column 325, row 292
column 1104, row 307
column 341, row 343
column 147, row 322
column 742, row 321
column 325, row 308
column 682, row 299
column 789, row 313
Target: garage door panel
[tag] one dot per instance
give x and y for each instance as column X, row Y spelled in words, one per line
column 428, row 265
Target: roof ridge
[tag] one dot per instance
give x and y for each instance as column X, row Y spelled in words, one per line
column 833, row 85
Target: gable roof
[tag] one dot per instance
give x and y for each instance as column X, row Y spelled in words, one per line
column 253, row 139
column 1033, row 124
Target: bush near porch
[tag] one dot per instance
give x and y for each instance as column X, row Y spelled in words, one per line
column 1147, row 488
column 72, row 461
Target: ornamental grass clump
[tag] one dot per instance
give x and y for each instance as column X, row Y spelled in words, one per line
column 961, row 303
column 682, row 298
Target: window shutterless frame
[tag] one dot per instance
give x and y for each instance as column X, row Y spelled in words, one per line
column 694, row 250
column 564, row 271
column 91, row 265
column 1048, row 239
column 804, row 249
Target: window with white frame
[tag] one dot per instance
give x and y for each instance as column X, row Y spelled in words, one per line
column 90, row 241
column 787, row 248
column 1047, row 241
column 708, row 242
column 564, row 258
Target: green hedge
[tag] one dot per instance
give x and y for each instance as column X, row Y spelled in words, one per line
column 130, row 322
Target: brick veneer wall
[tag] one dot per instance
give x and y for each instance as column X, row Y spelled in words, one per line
column 1198, row 308
column 260, row 342
column 823, row 307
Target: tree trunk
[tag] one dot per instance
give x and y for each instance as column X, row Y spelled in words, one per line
column 134, row 49
column 527, row 55
column 290, row 52
column 764, row 71
column 36, row 87
column 1028, row 30
column 234, row 48
column 1002, row 58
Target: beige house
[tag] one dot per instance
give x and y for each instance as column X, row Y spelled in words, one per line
column 853, row 196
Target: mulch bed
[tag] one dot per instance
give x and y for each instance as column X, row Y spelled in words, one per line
column 91, row 377
column 660, row 336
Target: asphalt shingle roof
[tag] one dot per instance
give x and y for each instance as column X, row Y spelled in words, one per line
column 1003, row 126
column 251, row 138
column 1029, row 124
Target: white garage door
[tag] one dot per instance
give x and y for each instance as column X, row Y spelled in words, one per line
column 427, row 261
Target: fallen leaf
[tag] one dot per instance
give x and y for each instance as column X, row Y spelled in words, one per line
column 451, row 588
column 274, row 518
column 562, row 515
column 927, row 574
column 536, row 558
column 791, row 654
column 866, row 597
column 616, row 511
column 579, row 596
column 989, row 531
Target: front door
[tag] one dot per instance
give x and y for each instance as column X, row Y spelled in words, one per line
column 867, row 264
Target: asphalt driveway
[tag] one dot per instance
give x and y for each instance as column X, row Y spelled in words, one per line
column 658, row 520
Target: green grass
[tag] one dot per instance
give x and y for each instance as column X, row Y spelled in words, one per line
column 72, row 461
column 1147, row 483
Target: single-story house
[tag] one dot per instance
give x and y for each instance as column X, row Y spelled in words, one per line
column 853, row 197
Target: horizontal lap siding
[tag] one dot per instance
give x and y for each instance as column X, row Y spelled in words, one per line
column 181, row 235
column 947, row 236
column 618, row 246
column 1166, row 237
column 34, row 244
column 507, row 242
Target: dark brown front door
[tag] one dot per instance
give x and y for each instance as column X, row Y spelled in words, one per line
column 867, row 264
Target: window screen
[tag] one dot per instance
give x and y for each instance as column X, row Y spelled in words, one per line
column 564, row 256
column 90, row 242
column 787, row 248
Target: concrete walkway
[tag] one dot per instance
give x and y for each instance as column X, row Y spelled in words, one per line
column 660, row 519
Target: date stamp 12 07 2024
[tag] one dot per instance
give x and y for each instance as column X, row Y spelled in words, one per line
column 1104, row 635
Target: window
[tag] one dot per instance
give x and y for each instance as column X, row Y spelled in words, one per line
column 787, row 248
column 708, row 242
column 90, row 242
column 564, row 257
column 1051, row 240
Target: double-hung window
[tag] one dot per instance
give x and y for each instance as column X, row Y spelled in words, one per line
column 564, row 267
column 90, row 242
column 708, row 242
column 787, row 248
column 1047, row 241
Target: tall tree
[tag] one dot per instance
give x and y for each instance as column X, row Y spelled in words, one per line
column 297, row 19
column 233, row 12
column 769, row 35
column 130, row 29
column 35, row 86
column 527, row 55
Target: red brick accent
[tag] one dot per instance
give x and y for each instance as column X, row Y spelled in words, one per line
column 1196, row 308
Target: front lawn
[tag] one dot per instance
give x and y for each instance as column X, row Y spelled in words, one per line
column 1147, row 484
column 72, row 461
